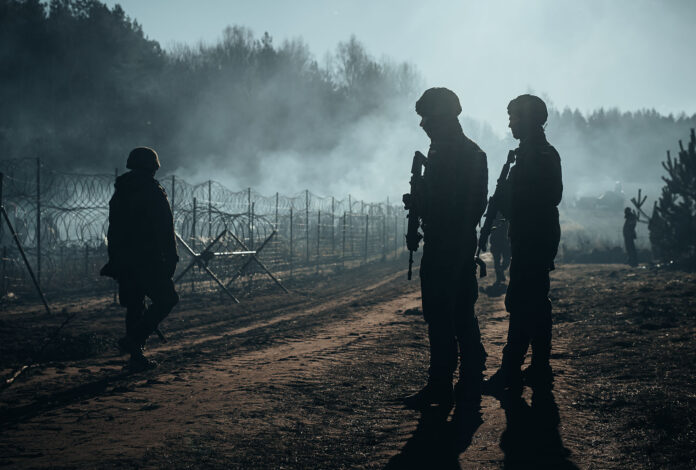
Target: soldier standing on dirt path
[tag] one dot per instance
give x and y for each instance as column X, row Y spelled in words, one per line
column 529, row 200
column 142, row 252
column 629, row 235
column 453, row 200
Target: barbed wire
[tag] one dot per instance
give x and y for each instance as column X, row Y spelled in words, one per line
column 61, row 219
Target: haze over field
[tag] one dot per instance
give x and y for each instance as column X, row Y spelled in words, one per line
column 311, row 106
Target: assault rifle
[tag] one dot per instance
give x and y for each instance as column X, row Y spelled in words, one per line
column 493, row 207
column 413, row 204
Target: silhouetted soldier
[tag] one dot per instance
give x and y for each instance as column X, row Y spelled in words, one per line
column 529, row 201
column 453, row 200
column 629, row 235
column 500, row 248
column 142, row 252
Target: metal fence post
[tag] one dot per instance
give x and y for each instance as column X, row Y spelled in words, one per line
column 38, row 222
column 291, row 247
column 333, row 229
column 350, row 224
column 367, row 226
column 251, row 226
column 210, row 210
column 307, row 224
column 343, row 246
column 249, row 217
column 193, row 242
column 173, row 193
column 276, row 212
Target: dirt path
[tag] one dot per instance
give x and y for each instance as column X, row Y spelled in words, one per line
column 316, row 384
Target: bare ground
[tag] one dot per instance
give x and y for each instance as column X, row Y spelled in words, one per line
column 314, row 379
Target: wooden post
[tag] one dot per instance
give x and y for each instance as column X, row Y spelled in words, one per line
column 333, row 229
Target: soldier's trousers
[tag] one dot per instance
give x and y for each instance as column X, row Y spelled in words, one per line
column 449, row 293
column 631, row 251
column 141, row 321
column 529, row 306
column 501, row 261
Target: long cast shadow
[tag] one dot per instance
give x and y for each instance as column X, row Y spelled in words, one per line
column 438, row 442
column 531, row 439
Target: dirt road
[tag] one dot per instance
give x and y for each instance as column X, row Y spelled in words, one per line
column 314, row 380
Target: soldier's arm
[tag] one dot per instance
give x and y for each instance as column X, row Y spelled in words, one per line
column 480, row 196
column 164, row 227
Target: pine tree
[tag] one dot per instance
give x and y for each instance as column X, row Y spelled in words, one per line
column 673, row 222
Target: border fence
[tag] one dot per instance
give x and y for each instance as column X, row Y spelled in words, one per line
column 61, row 220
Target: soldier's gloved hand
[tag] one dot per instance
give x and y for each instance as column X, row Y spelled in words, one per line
column 407, row 199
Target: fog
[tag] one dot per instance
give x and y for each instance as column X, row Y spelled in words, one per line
column 308, row 105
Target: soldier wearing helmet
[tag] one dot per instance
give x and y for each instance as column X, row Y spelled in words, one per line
column 142, row 252
column 629, row 234
column 453, row 200
column 529, row 201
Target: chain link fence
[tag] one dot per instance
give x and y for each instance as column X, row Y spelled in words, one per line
column 61, row 220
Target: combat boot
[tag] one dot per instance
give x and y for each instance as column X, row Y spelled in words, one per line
column 139, row 363
column 538, row 376
column 504, row 381
column 434, row 393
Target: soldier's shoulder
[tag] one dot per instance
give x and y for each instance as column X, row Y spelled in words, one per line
column 472, row 150
column 157, row 186
column 551, row 151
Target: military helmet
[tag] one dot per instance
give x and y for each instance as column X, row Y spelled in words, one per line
column 143, row 158
column 438, row 102
column 530, row 108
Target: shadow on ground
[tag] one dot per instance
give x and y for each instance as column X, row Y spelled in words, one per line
column 438, row 441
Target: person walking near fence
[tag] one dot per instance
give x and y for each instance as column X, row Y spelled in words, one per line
column 529, row 200
column 142, row 252
column 452, row 202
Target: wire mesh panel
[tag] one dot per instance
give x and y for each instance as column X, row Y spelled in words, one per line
column 61, row 220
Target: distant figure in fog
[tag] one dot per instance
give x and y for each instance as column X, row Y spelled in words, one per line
column 453, row 200
column 629, row 235
column 500, row 248
column 529, row 201
column 142, row 252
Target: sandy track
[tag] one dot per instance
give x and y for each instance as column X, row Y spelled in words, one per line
column 315, row 384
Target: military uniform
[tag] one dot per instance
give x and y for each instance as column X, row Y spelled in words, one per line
column 142, row 251
column 500, row 249
column 455, row 190
column 450, row 203
column 531, row 195
column 629, row 235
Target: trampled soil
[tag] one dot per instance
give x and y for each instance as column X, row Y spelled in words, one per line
column 314, row 379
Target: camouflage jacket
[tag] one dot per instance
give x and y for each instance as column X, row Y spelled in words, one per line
column 455, row 189
column 141, row 226
column 533, row 191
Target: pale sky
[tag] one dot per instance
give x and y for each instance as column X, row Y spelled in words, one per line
column 630, row 54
